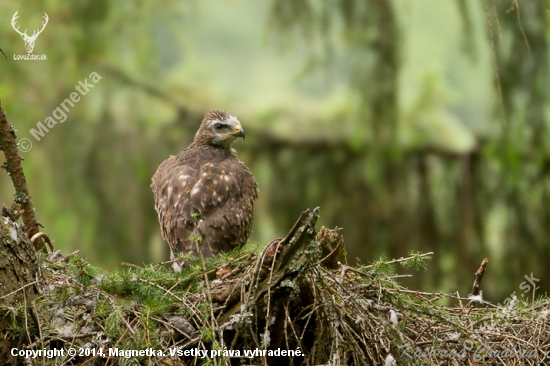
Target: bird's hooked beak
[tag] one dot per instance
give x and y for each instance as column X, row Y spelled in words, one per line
column 239, row 132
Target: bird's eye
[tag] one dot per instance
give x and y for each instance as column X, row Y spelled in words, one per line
column 218, row 126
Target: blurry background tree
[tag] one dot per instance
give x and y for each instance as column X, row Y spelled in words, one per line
column 387, row 114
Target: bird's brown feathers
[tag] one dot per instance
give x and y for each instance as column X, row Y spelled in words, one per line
column 205, row 192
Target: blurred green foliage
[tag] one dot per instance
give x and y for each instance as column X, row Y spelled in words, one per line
column 385, row 114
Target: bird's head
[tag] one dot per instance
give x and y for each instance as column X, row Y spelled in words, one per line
column 219, row 129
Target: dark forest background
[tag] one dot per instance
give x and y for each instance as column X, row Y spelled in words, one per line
column 413, row 124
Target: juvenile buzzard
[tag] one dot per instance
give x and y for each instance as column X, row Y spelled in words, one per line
column 206, row 192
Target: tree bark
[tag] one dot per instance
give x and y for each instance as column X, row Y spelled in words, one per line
column 18, row 270
column 18, row 264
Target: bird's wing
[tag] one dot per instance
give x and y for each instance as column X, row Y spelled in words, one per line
column 224, row 196
column 219, row 190
column 171, row 185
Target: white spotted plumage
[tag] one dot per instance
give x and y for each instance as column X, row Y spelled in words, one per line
column 205, row 191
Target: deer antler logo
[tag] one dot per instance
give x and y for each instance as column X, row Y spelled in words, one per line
column 29, row 40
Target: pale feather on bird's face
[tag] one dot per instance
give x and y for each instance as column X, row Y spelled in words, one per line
column 219, row 129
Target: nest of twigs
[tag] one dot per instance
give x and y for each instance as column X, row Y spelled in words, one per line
column 295, row 303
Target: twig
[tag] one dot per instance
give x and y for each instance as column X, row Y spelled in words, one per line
column 26, row 317
column 516, row 6
column 19, row 289
column 499, row 28
column 268, row 305
column 39, row 327
column 402, row 259
column 495, row 63
column 161, row 288
column 39, row 235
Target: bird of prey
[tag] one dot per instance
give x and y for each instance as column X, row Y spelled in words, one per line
column 205, row 195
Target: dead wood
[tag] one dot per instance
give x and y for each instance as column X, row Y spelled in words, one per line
column 476, row 287
column 296, row 295
column 13, row 166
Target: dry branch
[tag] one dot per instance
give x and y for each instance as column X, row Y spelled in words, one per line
column 13, row 166
column 476, row 287
column 288, row 297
